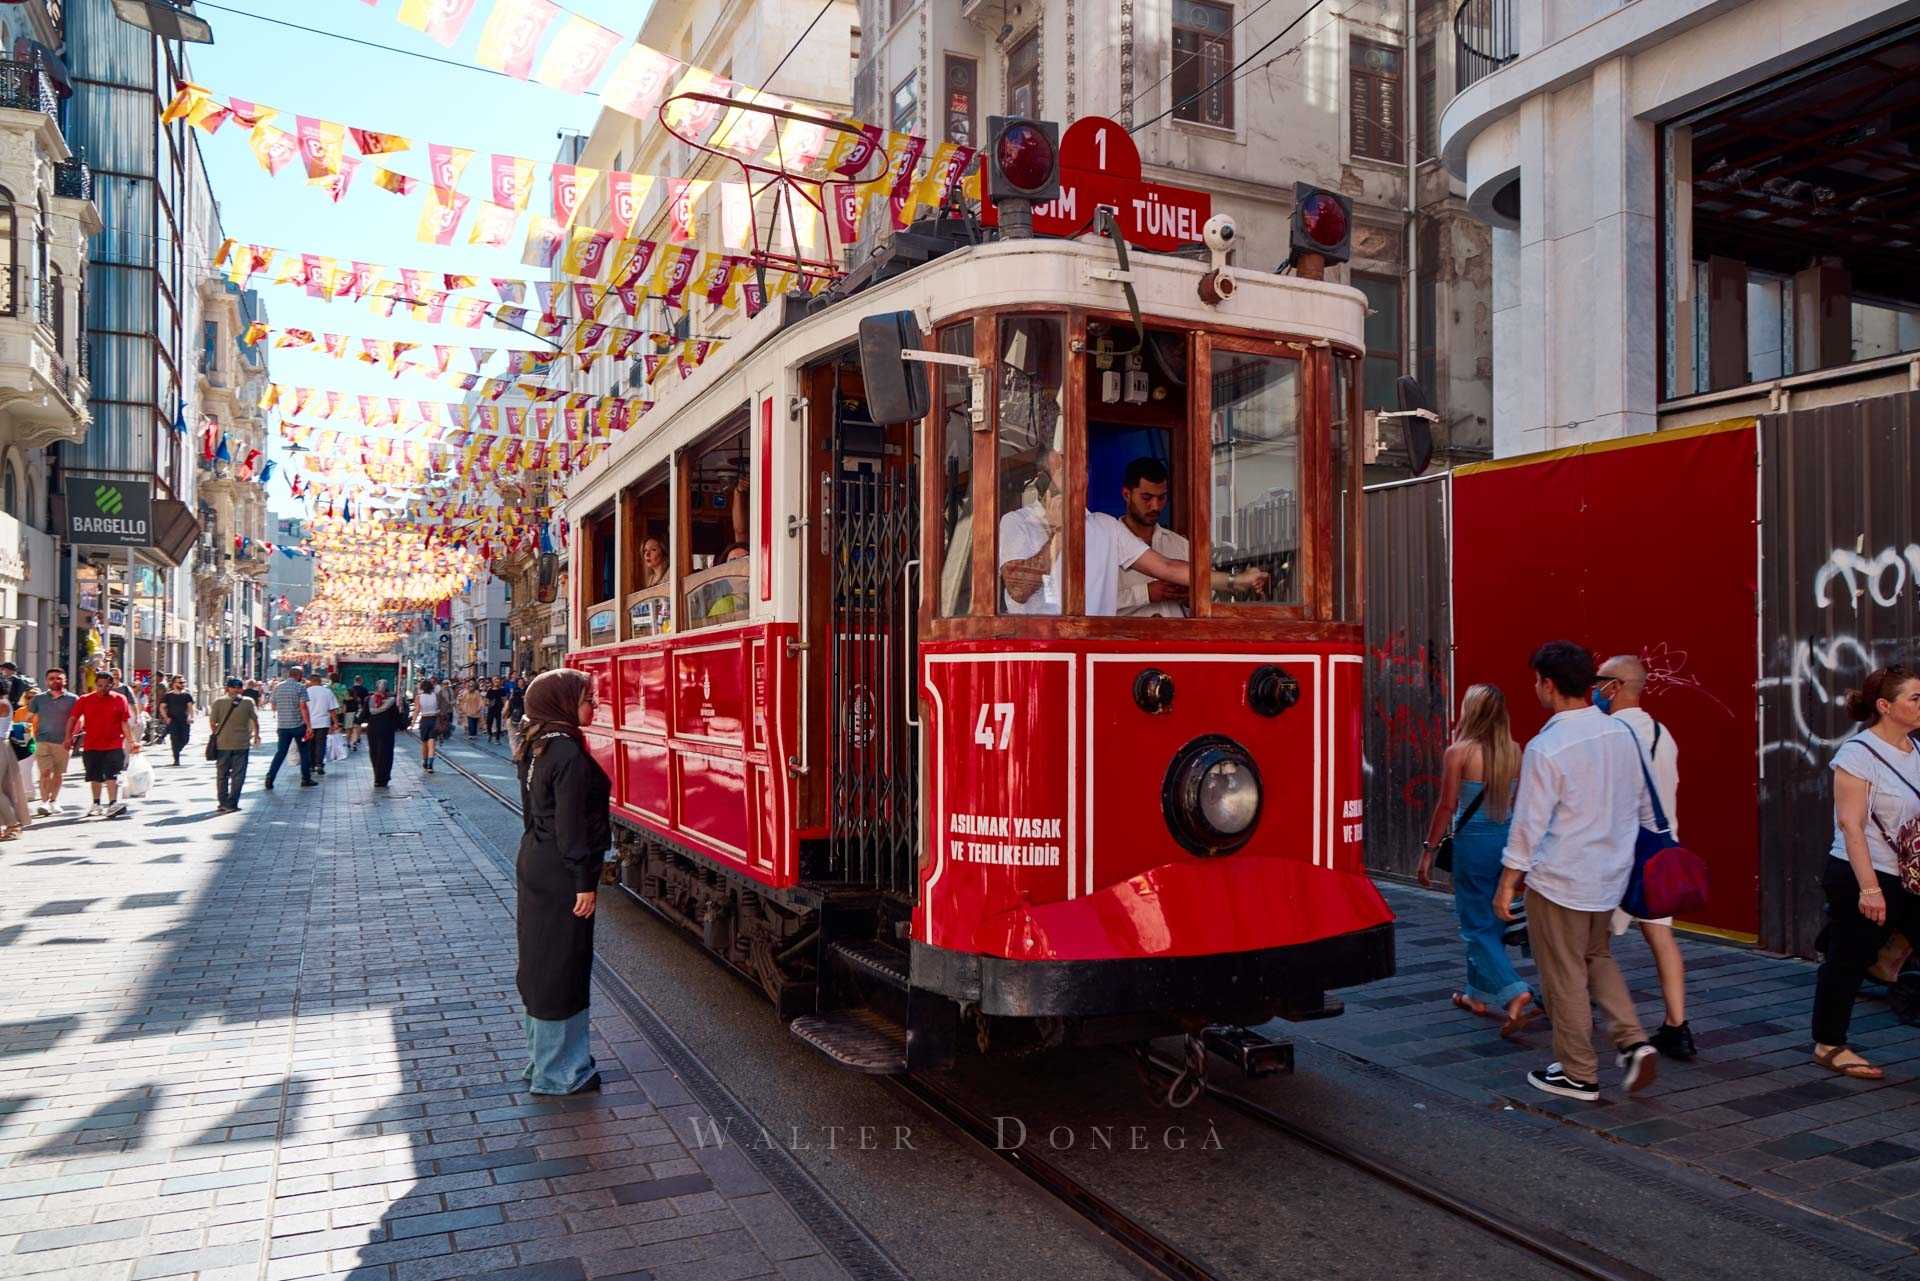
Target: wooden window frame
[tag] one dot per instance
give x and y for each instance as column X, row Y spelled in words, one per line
column 1387, row 142
column 1020, row 46
column 1203, row 38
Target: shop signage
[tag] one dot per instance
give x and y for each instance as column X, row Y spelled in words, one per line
column 109, row 513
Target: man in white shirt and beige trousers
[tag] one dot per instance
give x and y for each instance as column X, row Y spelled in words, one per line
column 1582, row 801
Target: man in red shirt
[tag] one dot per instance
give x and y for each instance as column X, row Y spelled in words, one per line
column 106, row 717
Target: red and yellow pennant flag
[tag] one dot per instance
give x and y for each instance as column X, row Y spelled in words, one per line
column 447, row 164
column 275, row 149
column 683, row 194
column 626, row 193
column 577, row 56
column 440, row 216
column 492, row 225
column 441, row 20
column 512, row 33
column 373, row 143
column 545, row 241
column 398, row 183
column 640, row 81
column 586, row 252
column 322, row 145
column 512, row 181
column 571, row 186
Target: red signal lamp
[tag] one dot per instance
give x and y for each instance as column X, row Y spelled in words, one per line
column 1022, row 169
column 1025, row 157
column 1322, row 227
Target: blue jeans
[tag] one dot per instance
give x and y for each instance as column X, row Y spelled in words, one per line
column 558, row 1060
column 297, row 736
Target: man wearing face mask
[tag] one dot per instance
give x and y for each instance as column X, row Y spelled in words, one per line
column 1622, row 684
column 1031, row 537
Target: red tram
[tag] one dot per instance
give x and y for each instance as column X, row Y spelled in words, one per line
column 899, row 740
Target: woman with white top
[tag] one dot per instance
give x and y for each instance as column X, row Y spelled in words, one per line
column 1876, row 794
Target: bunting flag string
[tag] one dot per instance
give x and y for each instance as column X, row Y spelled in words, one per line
column 581, row 343
column 613, row 413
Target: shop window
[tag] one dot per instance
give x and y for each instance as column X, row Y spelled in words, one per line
column 1202, row 62
column 1373, row 102
column 1383, row 339
column 717, row 562
column 1023, row 76
column 1256, row 475
column 1031, row 510
column 956, row 474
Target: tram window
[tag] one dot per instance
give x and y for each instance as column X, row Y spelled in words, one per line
column 597, row 564
column 719, row 503
column 1032, row 483
column 647, row 529
column 1256, row 473
column 1345, row 605
column 956, row 484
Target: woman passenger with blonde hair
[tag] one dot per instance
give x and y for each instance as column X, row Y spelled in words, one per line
column 1480, row 770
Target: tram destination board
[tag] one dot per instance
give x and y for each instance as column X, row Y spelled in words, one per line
column 1100, row 166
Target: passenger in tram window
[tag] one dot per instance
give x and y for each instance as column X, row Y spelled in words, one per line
column 653, row 563
column 1030, row 544
column 1144, row 489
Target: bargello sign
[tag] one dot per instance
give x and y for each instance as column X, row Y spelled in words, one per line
column 109, row 513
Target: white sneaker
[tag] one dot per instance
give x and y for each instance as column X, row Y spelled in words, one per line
column 43, row 810
column 94, row 810
column 118, row 807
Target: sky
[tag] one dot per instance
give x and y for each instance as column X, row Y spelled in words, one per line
column 313, row 73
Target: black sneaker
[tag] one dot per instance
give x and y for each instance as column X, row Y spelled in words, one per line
column 1554, row 1080
column 309, row 782
column 267, row 786
column 1674, row 1040
column 1641, row 1063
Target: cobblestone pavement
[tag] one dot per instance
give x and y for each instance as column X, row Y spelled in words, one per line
column 286, row 1044
column 1807, row 1146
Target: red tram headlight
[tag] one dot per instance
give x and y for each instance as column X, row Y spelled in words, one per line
column 1212, row 796
column 1024, row 156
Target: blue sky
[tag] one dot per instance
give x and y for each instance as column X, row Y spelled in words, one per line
column 306, row 73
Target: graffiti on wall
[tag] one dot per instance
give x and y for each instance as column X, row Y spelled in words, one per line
column 1408, row 684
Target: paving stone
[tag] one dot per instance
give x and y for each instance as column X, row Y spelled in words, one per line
column 284, row 1046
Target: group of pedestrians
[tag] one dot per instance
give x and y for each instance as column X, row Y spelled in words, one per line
column 1547, row 837
column 1559, row 822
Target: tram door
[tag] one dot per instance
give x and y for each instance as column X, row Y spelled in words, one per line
column 873, row 524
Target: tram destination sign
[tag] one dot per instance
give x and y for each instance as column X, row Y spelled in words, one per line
column 109, row 513
column 1100, row 166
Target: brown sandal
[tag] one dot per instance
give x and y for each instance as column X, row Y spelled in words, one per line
column 1461, row 1001
column 1520, row 1015
column 1858, row 1070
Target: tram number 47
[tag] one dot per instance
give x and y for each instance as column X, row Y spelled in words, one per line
column 992, row 716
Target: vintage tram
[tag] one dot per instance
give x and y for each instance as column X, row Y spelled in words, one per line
column 896, row 736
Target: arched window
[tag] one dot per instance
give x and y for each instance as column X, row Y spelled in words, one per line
column 9, row 274
column 10, row 490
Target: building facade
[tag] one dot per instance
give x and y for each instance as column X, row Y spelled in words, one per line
column 47, row 216
column 1698, row 210
column 483, row 641
column 231, row 593
column 289, row 584
column 1242, row 100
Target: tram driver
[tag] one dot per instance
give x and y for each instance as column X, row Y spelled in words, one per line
column 1030, row 544
column 1143, row 487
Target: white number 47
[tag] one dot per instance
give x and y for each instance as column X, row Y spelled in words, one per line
column 1002, row 714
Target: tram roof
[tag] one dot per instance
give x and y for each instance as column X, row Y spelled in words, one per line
column 762, row 357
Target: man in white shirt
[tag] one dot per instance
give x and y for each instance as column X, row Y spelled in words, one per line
column 1578, row 814
column 1622, row 684
column 1144, row 488
column 322, row 707
column 1030, row 540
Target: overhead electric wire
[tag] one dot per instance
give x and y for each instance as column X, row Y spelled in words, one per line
column 1228, row 74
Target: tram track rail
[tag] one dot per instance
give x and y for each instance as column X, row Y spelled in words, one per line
column 1143, row 1247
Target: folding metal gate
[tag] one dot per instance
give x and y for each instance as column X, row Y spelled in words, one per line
column 873, row 761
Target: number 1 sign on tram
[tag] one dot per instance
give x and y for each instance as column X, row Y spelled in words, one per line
column 1100, row 165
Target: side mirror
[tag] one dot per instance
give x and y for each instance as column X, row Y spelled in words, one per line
column 1414, row 402
column 897, row 390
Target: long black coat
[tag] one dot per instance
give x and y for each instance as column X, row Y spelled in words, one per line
column 564, row 799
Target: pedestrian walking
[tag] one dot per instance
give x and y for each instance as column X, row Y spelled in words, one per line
column 516, row 710
column 323, row 714
column 1876, row 817
column 1583, row 799
column 1478, row 773
column 52, row 712
column 13, row 686
column 15, row 809
column 23, row 737
column 352, row 711
column 496, row 709
column 102, row 723
column 473, row 705
column 385, row 718
column 1618, row 692
column 426, row 706
column 565, row 806
column 289, row 699
column 178, row 707
column 235, row 725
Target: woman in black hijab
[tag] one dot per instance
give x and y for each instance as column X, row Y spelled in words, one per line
column 564, row 799
column 382, row 715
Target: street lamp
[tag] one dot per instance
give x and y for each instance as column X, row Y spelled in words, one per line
column 165, row 19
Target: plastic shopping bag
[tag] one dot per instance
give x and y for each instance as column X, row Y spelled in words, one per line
column 139, row 780
column 336, row 748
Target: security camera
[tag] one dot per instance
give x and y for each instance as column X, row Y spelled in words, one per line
column 1219, row 233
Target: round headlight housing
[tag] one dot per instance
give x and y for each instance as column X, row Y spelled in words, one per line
column 1212, row 796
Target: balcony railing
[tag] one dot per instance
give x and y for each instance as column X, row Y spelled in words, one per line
column 25, row 87
column 72, row 180
column 1482, row 38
